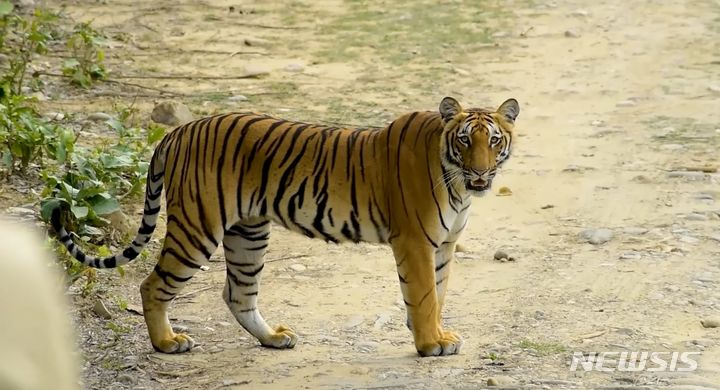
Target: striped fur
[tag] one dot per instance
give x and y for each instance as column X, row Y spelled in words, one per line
column 228, row 176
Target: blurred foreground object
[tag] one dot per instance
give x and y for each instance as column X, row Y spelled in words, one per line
column 37, row 346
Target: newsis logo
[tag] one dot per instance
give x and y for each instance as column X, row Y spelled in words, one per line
column 634, row 361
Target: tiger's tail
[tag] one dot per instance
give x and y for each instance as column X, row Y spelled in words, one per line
column 153, row 190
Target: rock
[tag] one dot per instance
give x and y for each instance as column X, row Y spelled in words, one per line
column 671, row 147
column 180, row 328
column 256, row 70
column 714, row 87
column 367, row 346
column 461, row 72
column 706, row 277
column 500, row 380
column 596, row 236
column 571, row 34
column 688, row 239
column 705, row 196
column 353, row 322
column 99, row 117
column 630, row 255
column 715, row 237
column 597, row 123
column 224, row 323
column 238, row 98
column 381, row 320
column 500, row 34
column 21, row 211
column 298, row 267
column 690, row 175
column 120, row 222
column 252, row 41
column 580, row 13
column 295, row 68
column 696, row 217
column 504, row 191
column 634, row 231
column 539, row 315
column 626, row 103
column 101, row 310
column 171, row 113
column 53, row 116
column 710, row 322
column 127, row 379
column 500, row 255
column 39, row 96
column 642, row 179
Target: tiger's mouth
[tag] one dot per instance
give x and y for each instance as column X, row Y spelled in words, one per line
column 478, row 184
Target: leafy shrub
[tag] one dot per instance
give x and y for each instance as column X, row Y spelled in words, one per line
column 86, row 64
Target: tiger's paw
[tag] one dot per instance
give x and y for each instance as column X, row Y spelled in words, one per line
column 449, row 343
column 178, row 343
column 283, row 338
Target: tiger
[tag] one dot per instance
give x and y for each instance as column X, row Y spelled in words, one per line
column 228, row 176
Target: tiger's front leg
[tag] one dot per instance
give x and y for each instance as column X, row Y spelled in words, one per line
column 416, row 271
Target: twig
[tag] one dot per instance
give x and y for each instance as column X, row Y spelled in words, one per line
column 180, row 374
column 271, row 27
column 188, row 77
column 111, row 81
column 191, row 293
column 286, row 258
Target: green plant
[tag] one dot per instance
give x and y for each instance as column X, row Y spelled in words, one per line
column 542, row 348
column 87, row 62
column 94, row 179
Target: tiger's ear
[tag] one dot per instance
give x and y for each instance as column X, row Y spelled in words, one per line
column 509, row 109
column 449, row 107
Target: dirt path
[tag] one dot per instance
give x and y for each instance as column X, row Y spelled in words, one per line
column 613, row 97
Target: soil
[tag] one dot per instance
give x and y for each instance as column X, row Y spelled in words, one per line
column 620, row 107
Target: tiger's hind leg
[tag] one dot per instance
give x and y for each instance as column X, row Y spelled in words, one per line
column 245, row 244
column 181, row 257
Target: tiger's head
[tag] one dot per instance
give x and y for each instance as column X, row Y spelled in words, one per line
column 476, row 142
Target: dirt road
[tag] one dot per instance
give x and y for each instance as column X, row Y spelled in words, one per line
column 620, row 101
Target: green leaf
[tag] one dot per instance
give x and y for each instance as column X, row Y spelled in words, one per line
column 115, row 124
column 104, row 206
column 80, row 212
column 154, row 134
column 48, row 205
column 5, row 8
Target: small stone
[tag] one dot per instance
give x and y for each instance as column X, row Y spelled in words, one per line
column 642, row 179
column 671, row 147
column 656, row 296
column 295, row 68
column 500, row 255
column 634, row 231
column 715, row 237
column 596, row 236
column 39, row 96
column 54, row 116
column 367, row 346
column 539, row 315
column 696, row 217
column 224, row 324
column 256, row 70
column 171, row 113
column 461, row 72
column 690, row 175
column 99, row 117
column 500, row 380
column 571, row 34
column 215, row 349
column 626, row 103
column 500, row 34
column 547, row 206
column 251, row 41
column 238, row 98
column 710, row 322
column 127, row 379
column 504, row 191
column 714, row 87
column 101, row 310
column 381, row 320
column 353, row 322
column 20, row 211
column 597, row 123
column 298, row 267
column 689, row 240
column 580, row 13
column 180, row 328
column 631, row 255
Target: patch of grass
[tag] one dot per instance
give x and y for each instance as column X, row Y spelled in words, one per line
column 420, row 32
column 542, row 348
